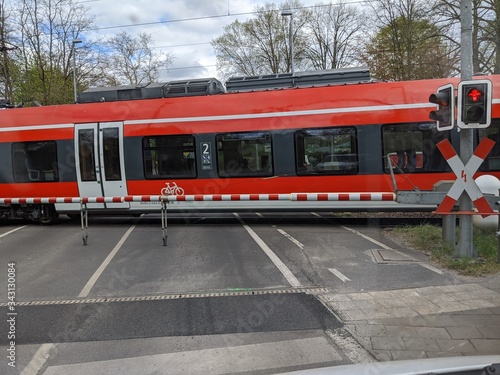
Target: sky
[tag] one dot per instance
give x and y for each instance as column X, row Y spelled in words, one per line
column 183, row 28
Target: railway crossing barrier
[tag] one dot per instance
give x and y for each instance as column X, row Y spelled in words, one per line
column 166, row 199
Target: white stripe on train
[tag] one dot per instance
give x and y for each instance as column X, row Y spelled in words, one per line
column 242, row 116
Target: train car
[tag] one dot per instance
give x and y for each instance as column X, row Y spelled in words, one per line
column 329, row 131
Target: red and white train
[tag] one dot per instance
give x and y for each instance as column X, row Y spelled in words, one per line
column 331, row 131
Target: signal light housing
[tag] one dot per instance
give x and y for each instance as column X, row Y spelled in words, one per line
column 444, row 114
column 474, row 104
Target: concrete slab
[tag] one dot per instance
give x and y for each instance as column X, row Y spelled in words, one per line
column 449, row 320
column 384, row 256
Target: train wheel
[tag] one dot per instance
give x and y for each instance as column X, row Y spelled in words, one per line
column 49, row 220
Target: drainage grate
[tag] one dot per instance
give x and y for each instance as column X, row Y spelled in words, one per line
column 171, row 296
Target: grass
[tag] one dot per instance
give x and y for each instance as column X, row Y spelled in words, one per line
column 428, row 238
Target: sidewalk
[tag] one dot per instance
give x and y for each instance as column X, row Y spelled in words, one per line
column 426, row 322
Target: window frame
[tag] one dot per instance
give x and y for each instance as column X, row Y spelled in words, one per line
column 192, row 171
column 493, row 157
column 342, row 163
column 30, row 171
column 427, row 159
column 242, row 170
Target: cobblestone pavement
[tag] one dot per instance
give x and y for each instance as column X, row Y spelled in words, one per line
column 426, row 322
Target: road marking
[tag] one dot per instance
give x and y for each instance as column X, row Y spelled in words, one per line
column 294, row 240
column 259, row 214
column 86, row 290
column 12, row 231
column 434, row 269
column 274, row 258
column 38, row 360
column 268, row 357
column 383, row 246
column 339, row 274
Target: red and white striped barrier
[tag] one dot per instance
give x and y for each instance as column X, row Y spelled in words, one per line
column 227, row 197
column 343, row 197
column 284, row 197
column 39, row 200
column 164, row 199
column 142, row 198
column 209, row 197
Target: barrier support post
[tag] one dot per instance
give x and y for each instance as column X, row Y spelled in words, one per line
column 84, row 216
column 449, row 223
column 498, row 236
column 164, row 235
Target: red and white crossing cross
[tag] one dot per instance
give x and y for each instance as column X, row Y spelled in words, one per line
column 465, row 180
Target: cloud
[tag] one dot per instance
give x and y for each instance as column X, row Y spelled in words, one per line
column 183, row 28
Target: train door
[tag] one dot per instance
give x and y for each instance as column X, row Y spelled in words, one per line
column 99, row 159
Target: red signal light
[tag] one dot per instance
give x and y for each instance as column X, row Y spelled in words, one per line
column 474, row 94
column 474, row 104
column 444, row 114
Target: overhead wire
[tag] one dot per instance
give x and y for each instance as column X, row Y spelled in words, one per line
column 199, row 19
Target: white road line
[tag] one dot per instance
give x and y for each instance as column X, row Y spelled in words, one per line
column 294, row 240
column 38, row 360
column 267, row 357
column 259, row 214
column 12, row 231
column 274, row 258
column 383, row 246
column 339, row 274
column 86, row 290
column 434, row 269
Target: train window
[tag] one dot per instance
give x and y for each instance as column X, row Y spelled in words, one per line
column 492, row 161
column 169, row 156
column 326, row 151
column 412, row 148
column 35, row 161
column 111, row 156
column 244, row 154
column 86, row 154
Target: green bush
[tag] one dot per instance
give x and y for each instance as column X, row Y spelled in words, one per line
column 428, row 238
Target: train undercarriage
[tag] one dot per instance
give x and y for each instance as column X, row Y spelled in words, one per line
column 40, row 213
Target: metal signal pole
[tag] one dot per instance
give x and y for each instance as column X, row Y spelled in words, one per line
column 465, row 248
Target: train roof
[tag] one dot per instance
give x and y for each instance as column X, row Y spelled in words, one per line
column 211, row 86
column 349, row 102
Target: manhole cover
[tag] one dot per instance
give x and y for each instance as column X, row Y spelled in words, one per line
column 391, row 256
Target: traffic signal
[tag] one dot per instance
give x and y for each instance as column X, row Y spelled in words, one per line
column 474, row 104
column 445, row 111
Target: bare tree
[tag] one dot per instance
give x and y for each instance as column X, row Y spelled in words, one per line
column 485, row 31
column 261, row 45
column 9, row 54
column 448, row 20
column 235, row 52
column 335, row 31
column 47, row 31
column 407, row 44
column 491, row 37
column 133, row 60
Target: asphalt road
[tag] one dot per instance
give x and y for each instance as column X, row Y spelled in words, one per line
column 228, row 294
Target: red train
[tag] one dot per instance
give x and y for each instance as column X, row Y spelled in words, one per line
column 330, row 131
